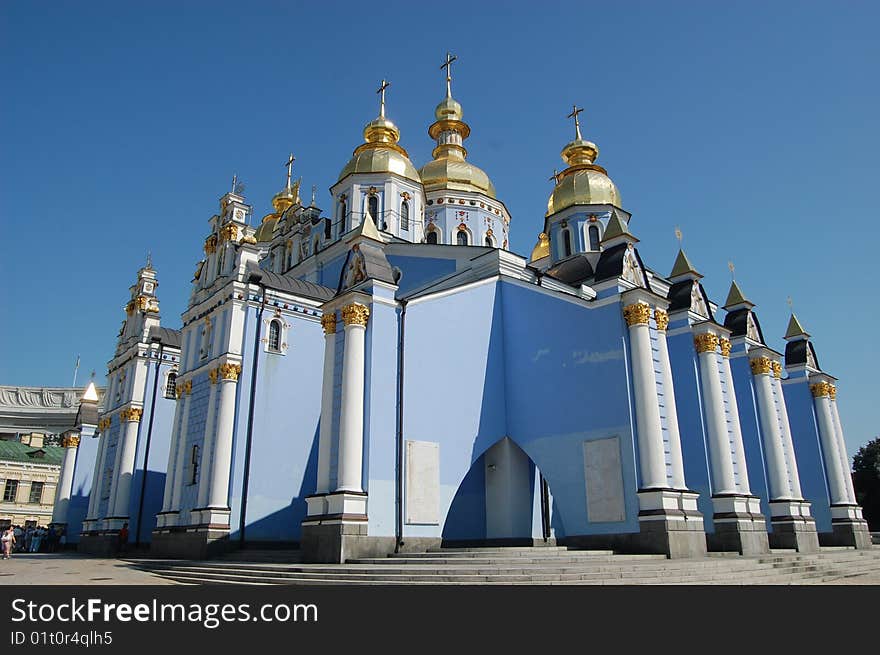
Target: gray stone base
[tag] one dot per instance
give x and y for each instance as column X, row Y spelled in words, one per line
column 794, row 532
column 190, row 542
column 673, row 536
column 746, row 536
column 103, row 543
column 847, row 533
column 333, row 541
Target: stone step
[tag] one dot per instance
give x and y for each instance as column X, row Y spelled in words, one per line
column 506, row 549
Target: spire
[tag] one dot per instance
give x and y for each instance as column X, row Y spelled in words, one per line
column 289, row 164
column 91, row 394
column 448, row 66
column 367, row 228
column 795, row 329
column 575, row 110
column 381, row 91
column 683, row 267
column 617, row 231
column 736, row 297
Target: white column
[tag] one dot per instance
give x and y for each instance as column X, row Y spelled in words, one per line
column 208, row 441
column 351, row 424
column 328, row 322
column 128, row 451
column 65, row 478
column 180, row 453
column 777, row 469
column 828, row 438
column 723, row 481
column 794, row 477
column 662, row 319
column 221, row 462
column 739, row 451
column 176, row 435
column 841, row 445
column 652, row 460
column 98, row 473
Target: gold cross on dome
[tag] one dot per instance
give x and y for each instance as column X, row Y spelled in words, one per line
column 381, row 92
column 448, row 66
column 678, row 235
column 577, row 124
column 555, row 176
column 289, row 164
column 732, row 270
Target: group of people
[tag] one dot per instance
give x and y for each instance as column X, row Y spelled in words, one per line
column 31, row 539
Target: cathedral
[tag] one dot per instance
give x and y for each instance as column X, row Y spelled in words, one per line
column 387, row 376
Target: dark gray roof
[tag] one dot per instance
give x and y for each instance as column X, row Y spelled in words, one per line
column 87, row 414
column 166, row 336
column 738, row 323
column 610, row 264
column 679, row 295
column 796, row 352
column 573, row 270
column 292, row 285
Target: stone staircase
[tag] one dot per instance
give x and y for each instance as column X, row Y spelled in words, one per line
column 530, row 566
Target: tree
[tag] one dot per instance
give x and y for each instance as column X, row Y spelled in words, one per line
column 866, row 480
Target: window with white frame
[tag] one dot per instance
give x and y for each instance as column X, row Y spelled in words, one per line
column 10, row 491
column 566, row 242
column 171, row 385
column 462, row 238
column 404, row 215
column 274, row 342
column 432, row 236
column 593, row 233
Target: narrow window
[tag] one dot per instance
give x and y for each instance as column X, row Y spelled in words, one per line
column 275, row 336
column 404, row 215
column 373, row 208
column 194, row 464
column 328, row 229
column 343, row 211
column 36, row 495
column 10, row 491
column 462, row 238
column 489, row 241
column 594, row 237
column 432, row 236
column 219, row 263
column 171, row 385
column 566, row 243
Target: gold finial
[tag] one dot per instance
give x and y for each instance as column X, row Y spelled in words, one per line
column 289, row 164
column 555, row 177
column 314, row 191
column 381, row 91
column 234, row 182
column 577, row 124
column 678, row 235
column 149, row 265
column 732, row 271
column 448, row 66
column 790, row 303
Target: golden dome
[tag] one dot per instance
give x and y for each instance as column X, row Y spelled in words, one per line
column 380, row 152
column 449, row 109
column 583, row 182
column 267, row 227
column 457, row 175
column 542, row 248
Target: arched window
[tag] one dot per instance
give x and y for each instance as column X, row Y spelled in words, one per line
column 566, row 243
column 343, row 210
column 461, row 238
column 171, row 385
column 404, row 215
column 373, row 208
column 328, row 227
column 594, row 237
column 194, row 464
column 432, row 236
column 489, row 241
column 275, row 336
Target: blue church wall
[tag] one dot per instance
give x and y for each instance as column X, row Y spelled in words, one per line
column 83, row 477
column 287, row 408
column 808, row 450
column 111, row 436
column 419, row 271
column 195, row 436
column 467, row 511
column 689, row 403
column 330, row 271
column 753, row 442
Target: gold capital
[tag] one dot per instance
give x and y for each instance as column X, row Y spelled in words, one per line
column 70, row 441
column 132, row 414
column 213, row 373
column 230, row 371
column 229, row 232
column 706, row 343
column 104, row 424
column 832, row 393
column 761, row 365
column 637, row 314
column 777, row 370
column 822, row 390
column 184, row 388
column 328, row 322
column 210, row 244
column 355, row 314
column 725, row 347
column 661, row 318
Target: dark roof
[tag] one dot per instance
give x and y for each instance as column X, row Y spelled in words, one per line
column 291, row 284
column 679, row 296
column 573, row 270
column 796, row 352
column 166, row 336
column 610, row 264
column 87, row 414
column 16, row 451
column 738, row 323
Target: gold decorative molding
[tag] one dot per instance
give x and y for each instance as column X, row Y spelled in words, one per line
column 661, row 318
column 213, row 374
column 131, row 414
column 725, row 346
column 104, row 424
column 210, row 244
column 777, row 370
column 637, row 314
column 228, row 232
column 706, row 343
column 230, row 371
column 184, row 388
column 832, row 393
column 761, row 366
column 822, row 390
column 355, row 314
column 328, row 322
column 70, row 441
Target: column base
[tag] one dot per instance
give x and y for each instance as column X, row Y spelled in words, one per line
column 335, row 529
column 114, row 523
column 793, row 526
column 739, row 525
column 848, row 528
column 190, row 542
column 670, row 523
column 211, row 518
column 167, row 519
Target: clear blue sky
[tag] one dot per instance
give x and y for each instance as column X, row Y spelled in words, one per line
column 753, row 126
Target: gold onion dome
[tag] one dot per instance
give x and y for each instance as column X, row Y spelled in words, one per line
column 380, row 152
column 583, row 182
column 542, row 248
column 281, row 201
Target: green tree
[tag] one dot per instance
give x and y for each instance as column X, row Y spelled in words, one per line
column 866, row 480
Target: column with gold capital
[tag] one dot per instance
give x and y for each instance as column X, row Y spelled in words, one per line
column 774, row 452
column 218, row 476
column 328, row 322
column 70, row 442
column 677, row 465
column 739, row 451
column 652, row 460
column 351, row 424
column 794, row 478
column 173, row 482
column 828, row 438
column 124, row 472
column 720, row 455
column 207, row 448
column 841, row 446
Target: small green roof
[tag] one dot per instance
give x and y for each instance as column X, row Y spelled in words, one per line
column 795, row 329
column 736, row 297
column 14, row 451
column 616, row 228
column 682, row 265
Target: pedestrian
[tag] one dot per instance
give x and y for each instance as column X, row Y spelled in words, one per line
column 123, row 538
column 36, row 538
column 8, row 542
